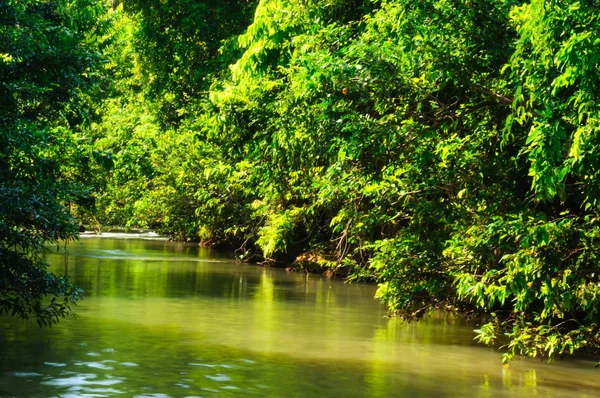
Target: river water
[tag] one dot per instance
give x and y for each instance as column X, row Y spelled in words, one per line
column 164, row 319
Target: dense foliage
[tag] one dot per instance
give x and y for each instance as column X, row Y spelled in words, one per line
column 446, row 149
column 48, row 58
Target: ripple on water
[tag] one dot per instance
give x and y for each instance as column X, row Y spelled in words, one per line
column 82, row 379
column 132, row 364
column 79, row 391
column 94, row 365
column 201, row 364
column 117, row 251
column 219, row 377
column 55, row 364
column 23, row 374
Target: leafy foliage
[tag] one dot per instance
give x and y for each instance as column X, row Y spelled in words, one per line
column 49, row 57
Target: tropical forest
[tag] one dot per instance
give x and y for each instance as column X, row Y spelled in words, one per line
column 337, row 192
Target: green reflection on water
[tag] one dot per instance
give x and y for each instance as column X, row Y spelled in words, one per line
column 173, row 319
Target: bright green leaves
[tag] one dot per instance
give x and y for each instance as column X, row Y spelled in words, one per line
column 557, row 62
column 275, row 22
column 537, row 279
column 179, row 48
column 278, row 231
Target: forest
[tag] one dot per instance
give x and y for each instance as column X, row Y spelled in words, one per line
column 447, row 150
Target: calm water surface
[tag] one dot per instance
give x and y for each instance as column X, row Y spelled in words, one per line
column 163, row 319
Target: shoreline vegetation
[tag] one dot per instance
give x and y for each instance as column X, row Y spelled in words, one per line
column 306, row 262
column 447, row 149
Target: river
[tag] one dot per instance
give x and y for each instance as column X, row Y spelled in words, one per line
column 164, row 319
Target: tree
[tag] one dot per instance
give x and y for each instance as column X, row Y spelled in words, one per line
column 49, row 59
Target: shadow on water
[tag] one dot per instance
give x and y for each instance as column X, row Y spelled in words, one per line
column 162, row 319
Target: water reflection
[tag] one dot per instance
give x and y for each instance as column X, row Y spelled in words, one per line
column 166, row 319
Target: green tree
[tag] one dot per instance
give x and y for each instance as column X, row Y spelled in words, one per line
column 48, row 61
column 163, row 58
column 543, row 288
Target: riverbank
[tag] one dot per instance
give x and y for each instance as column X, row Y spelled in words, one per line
column 310, row 263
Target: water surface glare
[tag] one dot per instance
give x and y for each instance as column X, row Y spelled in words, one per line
column 164, row 319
